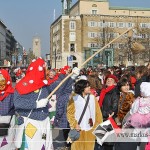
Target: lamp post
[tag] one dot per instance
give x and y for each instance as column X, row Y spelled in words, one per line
column 103, row 53
column 0, row 52
column 24, row 58
column 48, row 60
column 16, row 54
column 55, row 57
column 129, row 34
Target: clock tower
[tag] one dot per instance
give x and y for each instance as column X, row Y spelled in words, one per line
column 36, row 42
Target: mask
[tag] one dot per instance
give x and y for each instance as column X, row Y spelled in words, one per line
column 2, row 82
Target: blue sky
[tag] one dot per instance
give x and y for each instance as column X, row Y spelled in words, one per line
column 27, row 18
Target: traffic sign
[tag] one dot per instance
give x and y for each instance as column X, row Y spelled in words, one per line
column 70, row 58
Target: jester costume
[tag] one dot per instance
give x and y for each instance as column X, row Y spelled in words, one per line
column 7, row 110
column 33, row 123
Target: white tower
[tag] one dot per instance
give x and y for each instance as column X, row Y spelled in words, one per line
column 36, row 43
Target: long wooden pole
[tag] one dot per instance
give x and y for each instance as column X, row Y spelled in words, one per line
column 87, row 61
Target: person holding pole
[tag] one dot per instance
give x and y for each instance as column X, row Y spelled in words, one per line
column 31, row 106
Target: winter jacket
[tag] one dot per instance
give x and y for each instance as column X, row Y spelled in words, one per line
column 110, row 103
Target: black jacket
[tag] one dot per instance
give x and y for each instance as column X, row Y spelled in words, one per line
column 110, row 103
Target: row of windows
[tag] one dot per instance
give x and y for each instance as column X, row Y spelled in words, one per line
column 110, row 24
column 72, row 37
column 101, row 35
column 116, row 24
column 113, row 35
column 115, row 45
column 95, row 11
column 60, row 58
column 96, row 45
column 145, row 25
column 143, row 36
column 72, row 25
column 72, row 47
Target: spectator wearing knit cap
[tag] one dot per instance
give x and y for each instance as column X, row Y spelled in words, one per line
column 108, row 101
column 109, row 97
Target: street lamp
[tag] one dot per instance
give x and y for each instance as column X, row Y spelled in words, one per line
column 129, row 34
column 0, row 51
column 103, row 53
column 16, row 54
column 48, row 60
column 55, row 57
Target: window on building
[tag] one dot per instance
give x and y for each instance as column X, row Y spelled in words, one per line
column 121, row 25
column 111, row 35
column 74, row 58
column 93, row 45
column 100, row 24
column 58, row 27
column 129, row 24
column 121, row 45
column 143, row 25
column 58, row 37
column 92, row 23
column 111, row 24
column 36, row 43
column 100, row 34
column 72, row 25
column 72, row 36
column 112, row 45
column 72, row 47
column 94, row 5
column 94, row 11
column 92, row 34
column 143, row 35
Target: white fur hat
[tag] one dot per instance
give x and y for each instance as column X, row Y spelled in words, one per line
column 82, row 77
column 145, row 89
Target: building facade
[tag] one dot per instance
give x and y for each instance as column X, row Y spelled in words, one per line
column 88, row 25
column 10, row 49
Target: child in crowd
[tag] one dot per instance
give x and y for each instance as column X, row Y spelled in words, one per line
column 140, row 110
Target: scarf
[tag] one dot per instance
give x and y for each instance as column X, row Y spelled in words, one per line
column 103, row 93
column 8, row 86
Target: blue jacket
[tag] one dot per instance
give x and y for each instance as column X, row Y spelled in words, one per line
column 7, row 106
column 62, row 97
column 27, row 102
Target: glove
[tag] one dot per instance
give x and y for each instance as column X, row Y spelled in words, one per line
column 41, row 103
column 76, row 72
